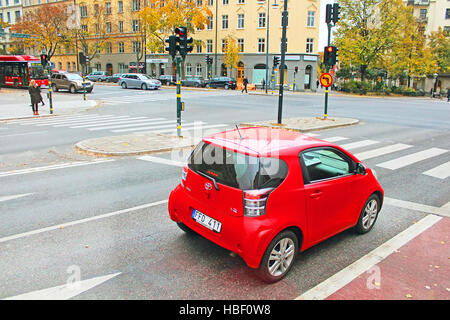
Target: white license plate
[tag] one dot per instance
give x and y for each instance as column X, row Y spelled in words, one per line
column 206, row 221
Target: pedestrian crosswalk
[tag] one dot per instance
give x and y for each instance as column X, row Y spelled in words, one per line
column 118, row 124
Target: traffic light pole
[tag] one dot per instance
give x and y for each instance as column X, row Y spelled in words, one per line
column 178, row 61
column 50, row 96
column 325, row 113
column 283, row 57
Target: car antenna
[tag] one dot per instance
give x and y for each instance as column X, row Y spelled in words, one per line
column 242, row 138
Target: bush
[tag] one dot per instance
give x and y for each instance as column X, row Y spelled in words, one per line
column 358, row 87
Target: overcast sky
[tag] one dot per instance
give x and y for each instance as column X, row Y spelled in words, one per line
column 323, row 31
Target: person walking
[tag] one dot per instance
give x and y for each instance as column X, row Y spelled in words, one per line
column 35, row 96
column 245, row 82
column 263, row 84
column 448, row 94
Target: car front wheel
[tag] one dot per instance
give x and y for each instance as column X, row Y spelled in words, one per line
column 72, row 89
column 124, row 85
column 278, row 257
column 368, row 215
column 144, row 86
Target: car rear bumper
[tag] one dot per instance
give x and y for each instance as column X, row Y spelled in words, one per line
column 245, row 236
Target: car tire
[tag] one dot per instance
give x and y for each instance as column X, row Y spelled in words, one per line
column 186, row 229
column 368, row 215
column 54, row 88
column 144, row 86
column 227, row 87
column 284, row 248
column 72, row 89
column 123, row 85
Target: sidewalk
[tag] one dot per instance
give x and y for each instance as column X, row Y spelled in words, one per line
column 15, row 104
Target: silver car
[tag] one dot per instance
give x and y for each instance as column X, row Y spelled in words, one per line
column 138, row 80
column 70, row 81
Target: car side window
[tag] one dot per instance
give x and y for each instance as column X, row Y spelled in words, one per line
column 324, row 163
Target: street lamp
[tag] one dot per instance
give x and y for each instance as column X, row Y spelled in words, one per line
column 284, row 21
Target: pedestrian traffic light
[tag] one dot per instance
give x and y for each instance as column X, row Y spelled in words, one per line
column 296, row 69
column 336, row 12
column 184, row 41
column 329, row 13
column 208, row 59
column 44, row 60
column 81, row 58
column 330, row 56
column 276, row 61
column 173, row 46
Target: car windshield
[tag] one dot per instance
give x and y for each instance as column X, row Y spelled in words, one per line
column 237, row 170
column 72, row 76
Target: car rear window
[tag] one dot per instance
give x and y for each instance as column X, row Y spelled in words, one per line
column 236, row 169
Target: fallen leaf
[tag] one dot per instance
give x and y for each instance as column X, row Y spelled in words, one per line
column 408, row 296
column 427, row 287
column 437, row 267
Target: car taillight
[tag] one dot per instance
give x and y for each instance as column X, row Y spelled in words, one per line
column 184, row 175
column 255, row 202
column 231, row 82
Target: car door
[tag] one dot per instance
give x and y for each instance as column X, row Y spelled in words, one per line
column 331, row 191
column 64, row 83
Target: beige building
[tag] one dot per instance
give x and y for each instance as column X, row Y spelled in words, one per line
column 10, row 12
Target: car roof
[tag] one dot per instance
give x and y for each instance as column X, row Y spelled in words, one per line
column 268, row 142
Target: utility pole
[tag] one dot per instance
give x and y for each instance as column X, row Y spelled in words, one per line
column 284, row 21
column 267, row 45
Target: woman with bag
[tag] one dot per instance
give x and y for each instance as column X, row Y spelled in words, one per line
column 35, row 96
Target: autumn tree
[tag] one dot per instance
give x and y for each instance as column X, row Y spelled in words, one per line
column 231, row 56
column 439, row 44
column 47, row 26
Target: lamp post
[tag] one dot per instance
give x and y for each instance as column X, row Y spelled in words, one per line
column 282, row 62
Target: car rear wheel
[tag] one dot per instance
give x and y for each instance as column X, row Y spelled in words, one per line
column 54, row 88
column 72, row 89
column 124, row 85
column 185, row 228
column 227, row 87
column 279, row 257
column 369, row 215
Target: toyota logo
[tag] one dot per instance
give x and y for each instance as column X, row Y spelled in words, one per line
column 208, row 186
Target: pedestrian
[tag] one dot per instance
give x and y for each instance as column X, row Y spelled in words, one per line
column 35, row 96
column 263, row 84
column 245, row 85
column 448, row 94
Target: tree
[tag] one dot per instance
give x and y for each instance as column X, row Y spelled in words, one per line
column 439, row 43
column 231, row 56
column 47, row 26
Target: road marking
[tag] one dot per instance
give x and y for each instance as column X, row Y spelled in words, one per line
column 348, row 274
column 82, row 124
column 381, row 151
column 442, row 211
column 85, row 120
column 66, row 291
column 54, row 167
column 163, row 161
column 76, row 222
column 16, row 196
column 118, row 122
column 132, row 125
column 411, row 158
column 199, row 128
column 358, row 144
column 153, row 128
column 335, row 139
column 22, row 134
column 54, row 119
column 31, row 120
column 440, row 172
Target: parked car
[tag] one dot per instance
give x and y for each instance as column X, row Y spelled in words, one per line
column 70, row 81
column 97, row 76
column 221, row 82
column 168, row 79
column 267, row 194
column 114, row 78
column 193, row 82
column 138, row 80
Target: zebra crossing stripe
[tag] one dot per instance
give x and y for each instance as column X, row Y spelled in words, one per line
column 106, row 122
column 134, row 124
column 96, row 121
column 358, row 144
column 54, row 122
column 411, row 158
column 48, row 119
column 440, row 172
column 381, row 151
column 335, row 139
column 200, row 128
column 155, row 128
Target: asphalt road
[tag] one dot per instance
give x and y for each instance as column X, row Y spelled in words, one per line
column 76, row 216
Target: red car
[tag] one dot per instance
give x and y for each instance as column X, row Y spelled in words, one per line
column 267, row 194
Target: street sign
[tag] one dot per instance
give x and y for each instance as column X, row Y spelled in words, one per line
column 326, row 80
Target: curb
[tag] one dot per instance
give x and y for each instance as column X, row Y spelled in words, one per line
column 318, row 128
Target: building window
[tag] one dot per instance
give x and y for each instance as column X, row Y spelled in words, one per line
column 136, row 5
column 241, row 1
column 135, row 25
column 241, row 45
column 136, row 47
column 210, row 23
column 108, row 27
column 241, row 19
column 262, row 20
column 121, row 26
column 209, row 46
column 83, row 11
column 108, row 7
column 198, row 70
column 108, row 47
column 311, row 19
column 189, row 69
column 224, row 1
column 261, row 45
column 447, row 13
column 199, row 48
column 120, row 5
column 210, row 2
column 225, row 21
column 224, row 45
column 121, row 47
column 309, row 45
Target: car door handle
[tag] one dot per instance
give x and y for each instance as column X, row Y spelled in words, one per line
column 316, row 194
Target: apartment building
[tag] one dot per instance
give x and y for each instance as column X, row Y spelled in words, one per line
column 10, row 12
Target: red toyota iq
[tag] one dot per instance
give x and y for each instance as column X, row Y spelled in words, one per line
column 266, row 194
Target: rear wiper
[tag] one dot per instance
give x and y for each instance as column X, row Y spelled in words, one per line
column 210, row 178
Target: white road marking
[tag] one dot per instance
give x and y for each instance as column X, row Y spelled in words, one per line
column 22, row 134
column 163, row 161
column 440, row 172
column 348, row 274
column 112, row 123
column 358, row 144
column 55, row 119
column 99, row 122
column 16, row 196
column 187, row 127
column 381, row 151
column 66, row 291
column 53, row 167
column 442, row 211
column 411, row 158
column 85, row 120
column 31, row 120
column 134, row 124
column 153, row 128
column 76, row 222
column 335, row 139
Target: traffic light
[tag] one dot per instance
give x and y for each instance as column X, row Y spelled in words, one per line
column 81, row 58
column 330, row 56
column 184, row 41
column 208, row 59
column 44, row 60
column 173, row 46
column 296, row 69
column 336, row 12
column 276, row 61
column 329, row 13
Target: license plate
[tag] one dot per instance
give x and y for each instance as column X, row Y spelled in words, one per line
column 206, row 221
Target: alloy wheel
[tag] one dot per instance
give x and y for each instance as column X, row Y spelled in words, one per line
column 370, row 214
column 281, row 257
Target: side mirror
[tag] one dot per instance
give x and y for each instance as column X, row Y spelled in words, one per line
column 360, row 169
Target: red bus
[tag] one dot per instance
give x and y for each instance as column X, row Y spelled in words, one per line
column 18, row 71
